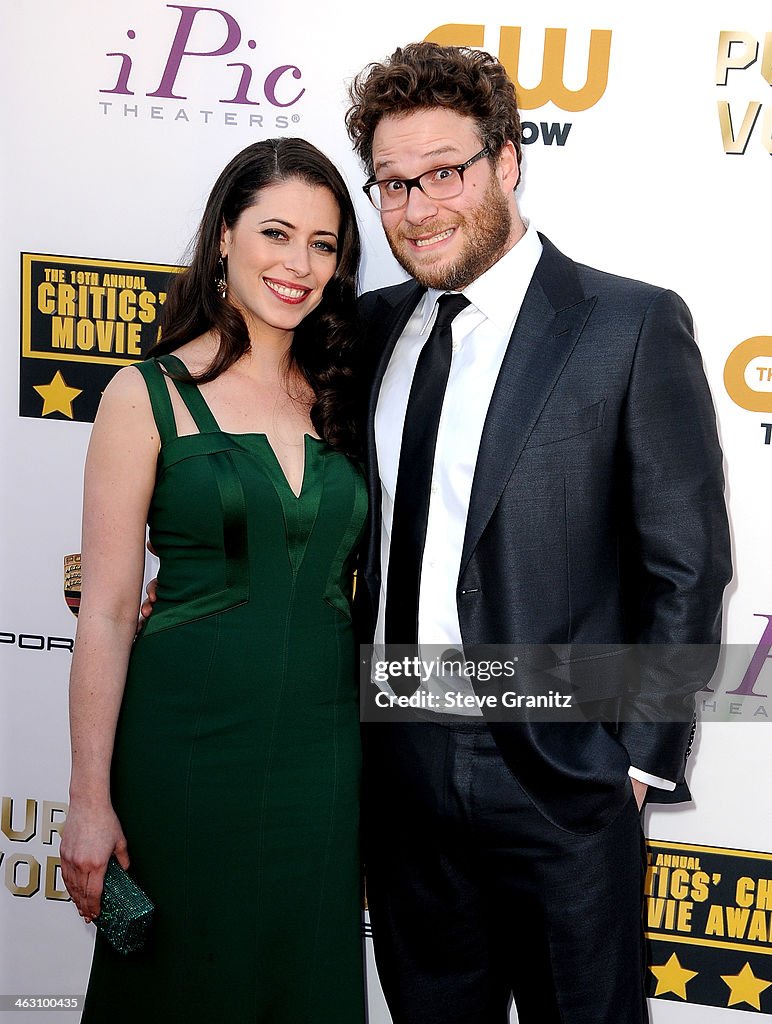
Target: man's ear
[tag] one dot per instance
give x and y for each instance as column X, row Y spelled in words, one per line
column 508, row 167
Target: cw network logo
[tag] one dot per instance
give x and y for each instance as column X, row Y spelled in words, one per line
column 551, row 88
column 184, row 64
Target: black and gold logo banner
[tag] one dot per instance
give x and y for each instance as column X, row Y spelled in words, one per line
column 81, row 320
column 708, row 917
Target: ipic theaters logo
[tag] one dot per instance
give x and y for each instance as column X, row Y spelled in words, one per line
column 741, row 687
column 708, row 919
column 551, row 88
column 739, row 69
column 81, row 320
column 748, row 379
column 194, row 61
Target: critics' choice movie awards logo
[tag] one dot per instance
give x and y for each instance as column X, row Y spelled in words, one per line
column 748, row 380
column 743, row 69
column 551, row 88
column 708, row 919
column 208, row 46
column 81, row 320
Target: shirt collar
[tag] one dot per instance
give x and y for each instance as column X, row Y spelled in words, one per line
column 497, row 293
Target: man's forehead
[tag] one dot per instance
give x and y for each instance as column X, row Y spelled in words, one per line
column 420, row 137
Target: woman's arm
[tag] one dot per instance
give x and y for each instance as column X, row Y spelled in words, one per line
column 118, row 485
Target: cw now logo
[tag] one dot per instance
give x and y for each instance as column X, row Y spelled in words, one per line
column 551, row 87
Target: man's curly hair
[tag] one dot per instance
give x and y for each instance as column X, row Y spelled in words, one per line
column 424, row 76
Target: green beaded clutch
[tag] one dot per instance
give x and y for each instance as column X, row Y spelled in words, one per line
column 126, row 912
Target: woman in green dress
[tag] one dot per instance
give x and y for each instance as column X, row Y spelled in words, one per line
column 217, row 755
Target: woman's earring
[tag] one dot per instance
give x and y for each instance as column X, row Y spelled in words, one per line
column 220, row 280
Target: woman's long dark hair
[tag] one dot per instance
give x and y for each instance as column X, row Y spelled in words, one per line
column 325, row 345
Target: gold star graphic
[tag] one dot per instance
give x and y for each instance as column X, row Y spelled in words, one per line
column 745, row 987
column 672, row 977
column 57, row 396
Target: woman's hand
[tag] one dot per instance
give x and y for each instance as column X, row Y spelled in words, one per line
column 90, row 837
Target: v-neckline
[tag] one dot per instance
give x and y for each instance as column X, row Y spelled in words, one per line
column 275, row 458
column 210, row 416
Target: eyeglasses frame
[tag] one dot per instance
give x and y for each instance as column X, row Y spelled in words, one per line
column 411, row 183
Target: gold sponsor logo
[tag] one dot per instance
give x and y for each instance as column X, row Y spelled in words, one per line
column 23, row 873
column 748, row 374
column 740, row 52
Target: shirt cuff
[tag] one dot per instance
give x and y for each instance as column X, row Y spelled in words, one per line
column 650, row 780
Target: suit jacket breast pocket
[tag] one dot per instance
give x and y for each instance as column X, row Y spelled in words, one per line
column 560, row 426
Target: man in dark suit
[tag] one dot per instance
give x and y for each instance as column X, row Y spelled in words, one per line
column 543, row 470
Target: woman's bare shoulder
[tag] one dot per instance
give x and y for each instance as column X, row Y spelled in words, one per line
column 126, row 399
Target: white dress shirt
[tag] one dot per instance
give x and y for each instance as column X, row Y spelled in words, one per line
column 480, row 333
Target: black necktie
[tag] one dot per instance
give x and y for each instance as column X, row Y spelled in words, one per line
column 414, row 477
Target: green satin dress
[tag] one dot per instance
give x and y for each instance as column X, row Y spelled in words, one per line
column 237, row 759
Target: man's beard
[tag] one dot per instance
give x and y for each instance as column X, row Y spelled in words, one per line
column 488, row 230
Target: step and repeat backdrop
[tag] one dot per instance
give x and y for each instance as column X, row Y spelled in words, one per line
column 648, row 152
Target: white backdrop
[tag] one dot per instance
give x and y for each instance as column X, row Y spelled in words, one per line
column 645, row 184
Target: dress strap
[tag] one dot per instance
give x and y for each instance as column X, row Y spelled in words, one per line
column 160, row 402
column 190, row 395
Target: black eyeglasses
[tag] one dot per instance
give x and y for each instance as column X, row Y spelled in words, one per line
column 438, row 183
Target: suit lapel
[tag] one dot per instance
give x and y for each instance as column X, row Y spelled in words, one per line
column 551, row 320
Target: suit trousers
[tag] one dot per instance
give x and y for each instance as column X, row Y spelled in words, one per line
column 476, row 897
